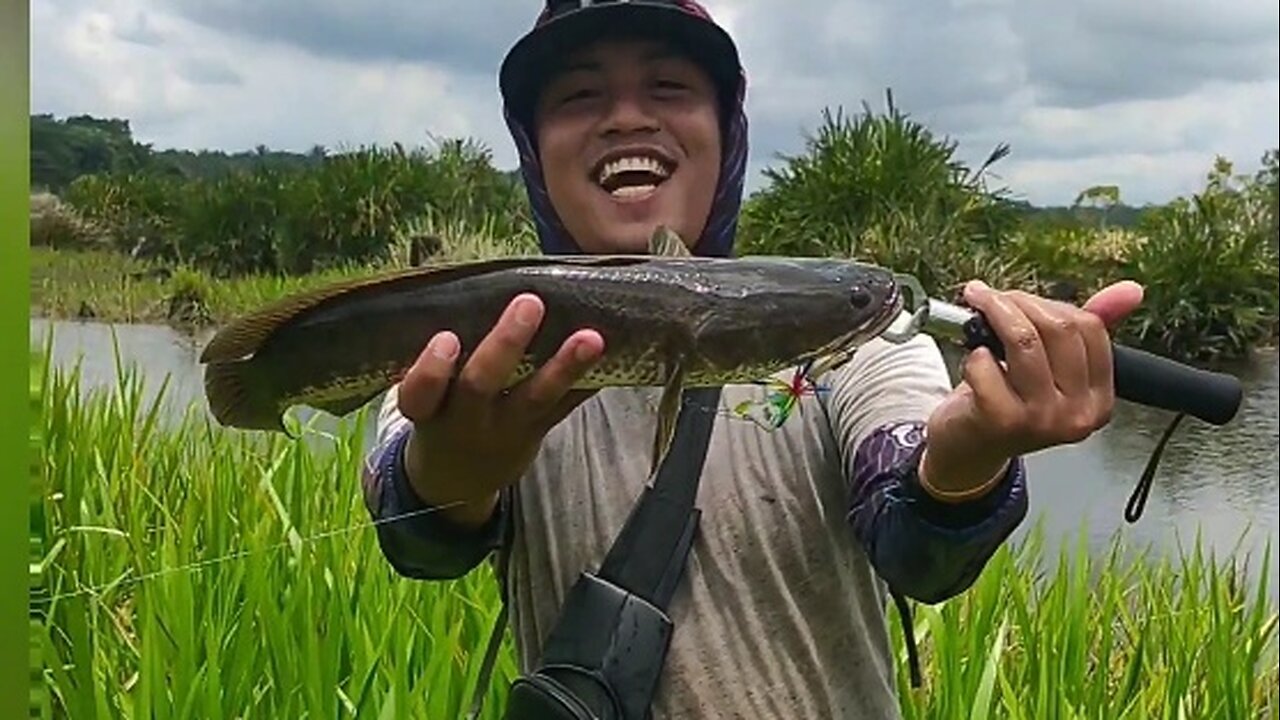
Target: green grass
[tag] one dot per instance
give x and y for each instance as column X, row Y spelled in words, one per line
column 188, row 571
column 199, row 573
column 109, row 286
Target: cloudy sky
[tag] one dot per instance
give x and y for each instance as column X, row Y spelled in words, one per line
column 1143, row 95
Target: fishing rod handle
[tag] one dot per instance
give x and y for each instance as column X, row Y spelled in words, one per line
column 1147, row 379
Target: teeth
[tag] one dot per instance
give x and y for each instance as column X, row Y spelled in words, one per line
column 636, row 163
column 633, row 190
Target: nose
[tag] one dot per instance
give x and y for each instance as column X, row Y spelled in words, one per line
column 628, row 112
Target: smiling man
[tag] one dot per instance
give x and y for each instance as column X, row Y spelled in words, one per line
column 628, row 116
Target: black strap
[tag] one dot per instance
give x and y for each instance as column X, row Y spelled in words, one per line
column 648, row 555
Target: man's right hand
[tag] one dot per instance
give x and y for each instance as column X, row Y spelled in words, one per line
column 476, row 438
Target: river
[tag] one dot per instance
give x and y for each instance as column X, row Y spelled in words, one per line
column 1222, row 482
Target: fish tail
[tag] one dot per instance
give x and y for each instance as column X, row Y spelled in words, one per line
column 234, row 391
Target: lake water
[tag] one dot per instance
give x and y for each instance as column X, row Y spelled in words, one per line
column 1221, row 482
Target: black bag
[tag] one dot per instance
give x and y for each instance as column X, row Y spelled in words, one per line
column 603, row 658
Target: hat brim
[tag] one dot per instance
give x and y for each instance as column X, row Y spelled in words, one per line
column 528, row 62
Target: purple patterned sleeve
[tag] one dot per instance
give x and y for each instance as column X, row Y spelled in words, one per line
column 924, row 548
column 418, row 542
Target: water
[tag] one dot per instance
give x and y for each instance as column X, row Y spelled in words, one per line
column 1220, row 482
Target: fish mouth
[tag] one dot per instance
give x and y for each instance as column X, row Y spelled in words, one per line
column 842, row 349
column 632, row 171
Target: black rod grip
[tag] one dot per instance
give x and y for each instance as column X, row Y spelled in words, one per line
column 1148, row 379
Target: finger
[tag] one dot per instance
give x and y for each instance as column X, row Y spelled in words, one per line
column 1029, row 373
column 1098, row 348
column 540, row 393
column 1059, row 327
column 489, row 369
column 423, row 387
column 1115, row 302
column 561, row 409
column 993, row 395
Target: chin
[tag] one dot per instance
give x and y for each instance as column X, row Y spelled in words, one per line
column 628, row 226
column 629, row 239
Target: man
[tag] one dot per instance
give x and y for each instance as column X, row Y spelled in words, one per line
column 627, row 116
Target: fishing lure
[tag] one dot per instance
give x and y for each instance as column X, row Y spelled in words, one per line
column 780, row 400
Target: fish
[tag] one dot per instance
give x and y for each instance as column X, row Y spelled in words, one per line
column 669, row 319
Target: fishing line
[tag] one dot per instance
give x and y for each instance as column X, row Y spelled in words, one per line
column 239, row 554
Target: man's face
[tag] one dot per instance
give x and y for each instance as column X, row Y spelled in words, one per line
column 629, row 138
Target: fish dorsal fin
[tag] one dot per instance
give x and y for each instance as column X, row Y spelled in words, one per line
column 243, row 336
column 666, row 242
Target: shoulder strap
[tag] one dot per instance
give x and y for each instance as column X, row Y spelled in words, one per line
column 648, row 555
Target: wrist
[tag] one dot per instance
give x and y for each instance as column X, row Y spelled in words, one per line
column 455, row 503
column 956, row 482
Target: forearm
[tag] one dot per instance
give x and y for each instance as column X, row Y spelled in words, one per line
column 926, row 548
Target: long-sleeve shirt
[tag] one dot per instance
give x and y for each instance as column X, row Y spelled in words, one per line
column 781, row 612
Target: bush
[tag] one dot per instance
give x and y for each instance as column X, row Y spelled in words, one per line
column 349, row 208
column 1209, row 264
column 858, row 172
column 56, row 225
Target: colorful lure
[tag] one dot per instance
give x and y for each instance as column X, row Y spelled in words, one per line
column 780, row 400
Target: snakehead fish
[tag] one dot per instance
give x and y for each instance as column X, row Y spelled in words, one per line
column 668, row 319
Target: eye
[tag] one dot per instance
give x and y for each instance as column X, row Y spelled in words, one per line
column 859, row 297
column 669, row 86
column 581, row 94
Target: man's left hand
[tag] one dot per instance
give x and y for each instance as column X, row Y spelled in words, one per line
column 1055, row 387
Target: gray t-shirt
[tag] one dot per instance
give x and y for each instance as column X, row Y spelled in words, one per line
column 781, row 613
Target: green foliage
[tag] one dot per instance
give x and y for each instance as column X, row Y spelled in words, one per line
column 1210, row 266
column 1122, row 635
column 859, row 172
column 181, row 569
column 349, row 208
column 65, row 149
column 54, row 224
column 194, row 572
column 62, row 150
column 883, row 188
column 880, row 187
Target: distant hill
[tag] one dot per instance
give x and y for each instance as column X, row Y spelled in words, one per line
column 1117, row 216
column 64, row 149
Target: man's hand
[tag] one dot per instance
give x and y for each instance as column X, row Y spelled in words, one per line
column 471, row 440
column 1055, row 387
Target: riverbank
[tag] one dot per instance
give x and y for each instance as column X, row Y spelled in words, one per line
column 110, row 286
column 247, row 563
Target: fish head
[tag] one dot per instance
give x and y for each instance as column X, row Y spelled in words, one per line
column 840, row 308
column 803, row 310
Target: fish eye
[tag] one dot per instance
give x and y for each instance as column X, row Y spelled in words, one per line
column 859, row 297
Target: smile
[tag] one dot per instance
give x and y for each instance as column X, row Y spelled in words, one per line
column 632, row 174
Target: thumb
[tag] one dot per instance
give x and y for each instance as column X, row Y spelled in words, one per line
column 1115, row 302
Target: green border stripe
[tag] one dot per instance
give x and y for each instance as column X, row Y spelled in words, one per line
column 15, row 691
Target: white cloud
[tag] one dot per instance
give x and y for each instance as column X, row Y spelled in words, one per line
column 1085, row 93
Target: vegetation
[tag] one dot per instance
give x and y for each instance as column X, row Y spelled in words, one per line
column 877, row 186
column 181, row 569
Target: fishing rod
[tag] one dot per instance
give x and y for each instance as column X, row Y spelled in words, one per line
column 1140, row 377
